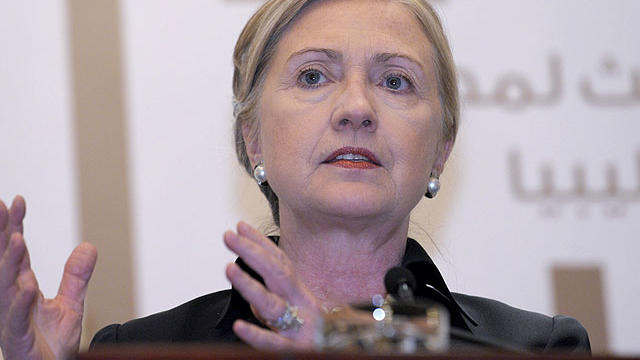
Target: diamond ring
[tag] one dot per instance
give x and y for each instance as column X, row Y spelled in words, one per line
column 288, row 320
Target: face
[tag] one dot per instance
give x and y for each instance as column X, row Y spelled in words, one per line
column 350, row 120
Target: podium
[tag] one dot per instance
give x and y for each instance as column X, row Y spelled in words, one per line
column 207, row 352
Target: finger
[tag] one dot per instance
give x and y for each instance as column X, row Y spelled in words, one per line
column 251, row 233
column 4, row 216
column 275, row 270
column 268, row 305
column 261, row 338
column 19, row 312
column 4, row 220
column 11, row 262
column 77, row 272
column 10, row 270
column 253, row 254
column 16, row 215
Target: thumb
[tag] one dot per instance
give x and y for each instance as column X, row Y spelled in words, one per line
column 77, row 272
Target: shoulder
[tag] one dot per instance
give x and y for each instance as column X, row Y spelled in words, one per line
column 531, row 330
column 193, row 321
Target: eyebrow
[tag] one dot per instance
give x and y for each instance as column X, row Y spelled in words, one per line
column 384, row 57
column 331, row 54
column 379, row 58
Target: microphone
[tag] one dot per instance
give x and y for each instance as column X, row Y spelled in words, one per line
column 400, row 282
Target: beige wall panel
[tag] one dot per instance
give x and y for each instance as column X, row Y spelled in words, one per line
column 579, row 293
column 102, row 158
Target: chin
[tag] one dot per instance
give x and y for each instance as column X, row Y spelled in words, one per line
column 355, row 201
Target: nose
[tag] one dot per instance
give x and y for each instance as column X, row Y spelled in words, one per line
column 355, row 107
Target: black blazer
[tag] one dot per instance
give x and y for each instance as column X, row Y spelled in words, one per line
column 476, row 321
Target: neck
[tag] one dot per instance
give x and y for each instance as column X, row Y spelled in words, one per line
column 342, row 261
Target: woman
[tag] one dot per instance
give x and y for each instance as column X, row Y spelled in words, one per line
column 346, row 112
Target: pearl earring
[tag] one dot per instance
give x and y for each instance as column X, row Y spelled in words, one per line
column 259, row 174
column 433, row 186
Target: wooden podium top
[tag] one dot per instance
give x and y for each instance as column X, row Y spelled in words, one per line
column 201, row 352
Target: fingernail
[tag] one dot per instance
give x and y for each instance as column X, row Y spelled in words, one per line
column 228, row 270
column 230, row 238
column 245, row 228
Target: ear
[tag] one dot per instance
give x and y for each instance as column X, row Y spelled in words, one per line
column 250, row 135
column 443, row 154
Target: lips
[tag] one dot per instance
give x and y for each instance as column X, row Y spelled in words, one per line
column 353, row 157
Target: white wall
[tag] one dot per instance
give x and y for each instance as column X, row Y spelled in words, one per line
column 502, row 247
column 36, row 139
column 187, row 189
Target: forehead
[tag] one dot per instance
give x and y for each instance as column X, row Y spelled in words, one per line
column 352, row 27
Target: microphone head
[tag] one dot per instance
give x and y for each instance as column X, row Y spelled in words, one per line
column 397, row 276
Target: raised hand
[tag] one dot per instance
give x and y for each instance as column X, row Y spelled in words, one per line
column 32, row 327
column 270, row 302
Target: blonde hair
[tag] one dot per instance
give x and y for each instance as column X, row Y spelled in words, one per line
column 256, row 46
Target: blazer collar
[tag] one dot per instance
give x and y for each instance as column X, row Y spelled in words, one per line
column 430, row 283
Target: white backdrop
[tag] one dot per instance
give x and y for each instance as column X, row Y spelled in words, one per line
column 36, row 142
column 551, row 83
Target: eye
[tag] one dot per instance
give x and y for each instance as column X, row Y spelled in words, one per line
column 396, row 82
column 311, row 78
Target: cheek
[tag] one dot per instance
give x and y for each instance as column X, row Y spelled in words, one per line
column 289, row 133
column 415, row 162
column 416, row 140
